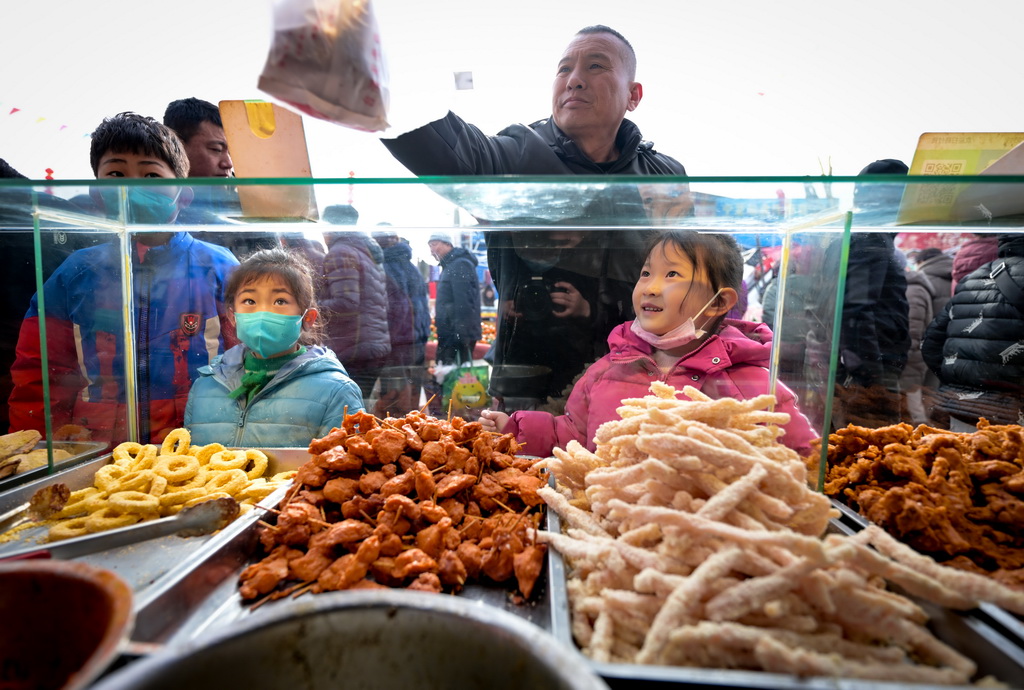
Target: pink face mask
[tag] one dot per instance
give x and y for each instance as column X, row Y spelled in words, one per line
column 680, row 335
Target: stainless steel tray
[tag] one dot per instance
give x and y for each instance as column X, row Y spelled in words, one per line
column 80, row 452
column 145, row 564
column 964, row 631
column 1009, row 624
column 201, row 594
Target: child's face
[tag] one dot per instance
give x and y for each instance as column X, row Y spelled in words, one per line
column 132, row 165
column 268, row 294
column 669, row 292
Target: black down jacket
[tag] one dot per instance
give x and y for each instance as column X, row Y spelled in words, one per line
column 977, row 342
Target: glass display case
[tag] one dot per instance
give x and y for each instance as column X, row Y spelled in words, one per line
column 816, row 292
column 112, row 310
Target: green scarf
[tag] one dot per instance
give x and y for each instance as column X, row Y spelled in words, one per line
column 259, row 372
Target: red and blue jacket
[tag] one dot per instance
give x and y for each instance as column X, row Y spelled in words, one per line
column 180, row 324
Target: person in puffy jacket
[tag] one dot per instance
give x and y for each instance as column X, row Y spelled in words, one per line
column 927, row 293
column 354, row 298
column 680, row 336
column 973, row 254
column 457, row 307
column 976, row 344
column 278, row 388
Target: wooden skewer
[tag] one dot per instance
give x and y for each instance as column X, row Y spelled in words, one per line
column 504, row 506
column 303, row 588
column 363, row 513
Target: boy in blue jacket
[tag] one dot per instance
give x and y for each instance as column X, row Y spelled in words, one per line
column 180, row 324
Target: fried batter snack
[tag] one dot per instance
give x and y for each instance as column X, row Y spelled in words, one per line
column 413, row 502
column 693, row 539
column 957, row 497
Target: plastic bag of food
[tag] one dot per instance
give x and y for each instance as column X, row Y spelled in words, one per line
column 326, row 61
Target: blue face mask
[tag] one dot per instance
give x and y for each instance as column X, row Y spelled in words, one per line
column 268, row 334
column 145, row 206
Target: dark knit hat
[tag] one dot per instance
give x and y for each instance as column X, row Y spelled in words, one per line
column 885, row 166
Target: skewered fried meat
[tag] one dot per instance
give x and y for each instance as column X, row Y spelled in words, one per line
column 410, row 502
column 956, row 497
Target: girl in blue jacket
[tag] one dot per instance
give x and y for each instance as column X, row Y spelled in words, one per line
column 278, row 388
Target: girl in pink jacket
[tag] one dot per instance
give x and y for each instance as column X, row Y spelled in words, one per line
column 680, row 336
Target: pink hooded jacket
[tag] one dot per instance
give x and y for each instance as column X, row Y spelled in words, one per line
column 730, row 364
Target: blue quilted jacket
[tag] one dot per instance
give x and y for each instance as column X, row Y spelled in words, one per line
column 305, row 400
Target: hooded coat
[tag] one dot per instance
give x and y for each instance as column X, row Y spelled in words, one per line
column 928, row 291
column 304, row 400
column 354, row 295
column 729, row 364
column 976, row 344
column 413, row 289
column 457, row 307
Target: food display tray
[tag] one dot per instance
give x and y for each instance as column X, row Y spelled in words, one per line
column 146, row 565
column 966, row 632
column 80, row 452
column 1009, row 624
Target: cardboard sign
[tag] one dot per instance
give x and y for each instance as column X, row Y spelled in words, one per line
column 266, row 140
column 953, row 153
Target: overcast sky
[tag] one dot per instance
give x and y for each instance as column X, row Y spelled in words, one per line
column 731, row 87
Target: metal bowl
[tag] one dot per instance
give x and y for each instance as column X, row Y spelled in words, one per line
column 63, row 623
column 368, row 639
column 520, row 380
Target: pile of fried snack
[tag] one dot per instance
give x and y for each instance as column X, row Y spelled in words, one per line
column 409, row 501
column 958, row 497
column 693, row 539
column 146, row 482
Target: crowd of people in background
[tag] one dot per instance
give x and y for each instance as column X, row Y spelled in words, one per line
column 926, row 337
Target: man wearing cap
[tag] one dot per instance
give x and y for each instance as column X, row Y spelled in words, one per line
column 457, row 307
column 587, row 133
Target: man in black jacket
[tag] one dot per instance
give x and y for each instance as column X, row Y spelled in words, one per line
column 457, row 308
column 587, row 134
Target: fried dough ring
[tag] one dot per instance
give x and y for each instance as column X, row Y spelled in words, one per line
column 108, row 476
column 176, row 468
column 158, row 486
column 204, row 453
column 68, row 529
column 136, row 502
column 146, row 458
column 125, row 453
column 259, row 463
column 229, row 481
column 257, row 490
column 139, row 480
column 82, row 501
column 229, row 460
column 208, row 497
column 174, row 498
column 109, row 518
column 176, row 443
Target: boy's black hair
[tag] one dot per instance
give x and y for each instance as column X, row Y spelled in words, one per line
column 715, row 256
column 293, row 269
column 185, row 116
column 133, row 133
column 6, row 171
column 630, row 53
